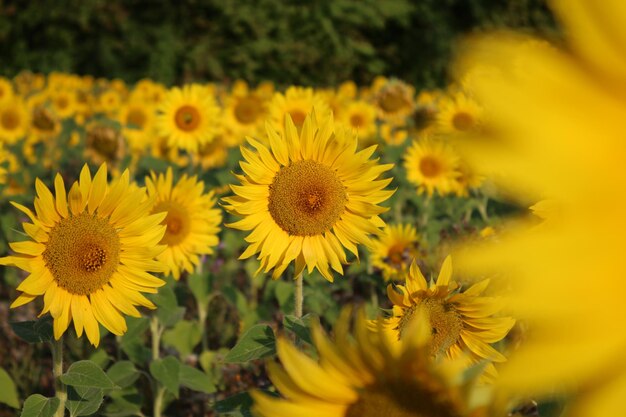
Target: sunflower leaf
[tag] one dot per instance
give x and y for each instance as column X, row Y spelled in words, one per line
column 39, row 406
column 34, row 331
column 167, row 372
column 8, row 392
column 195, row 379
column 256, row 343
column 86, row 374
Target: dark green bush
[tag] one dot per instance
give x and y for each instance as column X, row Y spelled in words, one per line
column 316, row 42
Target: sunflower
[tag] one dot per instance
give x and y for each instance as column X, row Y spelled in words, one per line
column 91, row 253
column 104, row 144
column 6, row 91
column 138, row 121
column 188, row 117
column 461, row 321
column 109, row 102
column 14, row 120
column 244, row 114
column 395, row 101
column 212, row 155
column 468, row 179
column 360, row 116
column 458, row 114
column 394, row 250
column 63, row 103
column 431, row 165
column 297, row 102
column 364, row 376
column 392, row 134
column 192, row 221
column 307, row 197
column 44, row 123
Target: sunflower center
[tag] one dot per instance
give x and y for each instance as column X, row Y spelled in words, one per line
column 82, row 253
column 392, row 101
column 297, row 116
column 357, row 120
column 306, row 198
column 462, row 121
column 446, row 323
column 104, row 140
column 402, row 400
column 247, row 110
column 136, row 117
column 10, row 119
column 430, row 167
column 177, row 222
column 398, row 255
column 62, row 102
column 187, row 118
column 43, row 119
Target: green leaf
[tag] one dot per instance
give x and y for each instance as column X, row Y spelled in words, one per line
column 167, row 372
column 240, row 403
column 185, row 336
column 87, row 374
column 34, row 331
column 8, row 392
column 82, row 401
column 39, row 406
column 123, row 373
column 258, row 342
column 195, row 379
column 200, row 286
column 100, row 357
column 299, row 326
column 284, row 294
column 168, row 312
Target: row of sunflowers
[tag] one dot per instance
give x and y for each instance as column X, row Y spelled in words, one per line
column 207, row 240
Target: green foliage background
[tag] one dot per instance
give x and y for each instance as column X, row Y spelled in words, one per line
column 310, row 42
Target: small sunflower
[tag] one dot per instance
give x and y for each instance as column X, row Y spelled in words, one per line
column 138, row 121
column 6, row 91
column 188, row 117
column 244, row 114
column 458, row 114
column 91, row 253
column 212, row 155
column 64, row 103
column 394, row 250
column 109, row 102
column 431, row 165
column 297, row 102
column 363, row 376
column 395, row 101
column 307, row 197
column 44, row 123
column 461, row 321
column 468, row 179
column 192, row 221
column 361, row 117
column 14, row 120
column 104, row 144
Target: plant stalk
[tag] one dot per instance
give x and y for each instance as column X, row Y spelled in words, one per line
column 57, row 370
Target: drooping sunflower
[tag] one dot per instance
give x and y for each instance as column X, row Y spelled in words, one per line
column 104, row 144
column 395, row 249
column 431, row 166
column 91, row 253
column 297, row 102
column 365, row 376
column 307, row 197
column 461, row 320
column 192, row 221
column 14, row 120
column 458, row 114
column 395, row 101
column 188, row 117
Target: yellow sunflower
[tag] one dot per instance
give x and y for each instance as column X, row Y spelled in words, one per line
column 14, row 120
column 91, row 253
column 109, row 102
column 63, row 103
column 297, row 102
column 458, row 114
column 468, row 179
column 192, row 221
column 461, row 320
column 395, row 101
column 393, row 135
column 361, row 117
column 6, row 91
column 365, row 376
column 138, row 121
column 244, row 114
column 212, row 155
column 431, row 165
column 44, row 123
column 188, row 117
column 104, row 144
column 307, row 197
column 395, row 249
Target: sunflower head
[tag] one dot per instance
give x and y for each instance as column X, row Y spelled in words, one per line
column 395, row 101
column 14, row 120
column 297, row 103
column 104, row 143
column 90, row 253
column 394, row 249
column 431, row 166
column 365, row 376
column 459, row 114
column 312, row 193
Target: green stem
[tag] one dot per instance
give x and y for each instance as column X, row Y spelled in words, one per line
column 156, row 330
column 299, row 295
column 57, row 370
column 158, row 401
column 202, row 315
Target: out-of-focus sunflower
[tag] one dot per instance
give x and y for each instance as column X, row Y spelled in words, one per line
column 14, row 120
column 395, row 249
column 192, row 221
column 395, row 101
column 6, row 91
column 361, row 117
column 468, row 179
column 109, row 102
column 364, row 376
column 104, row 143
column 307, row 197
column 212, row 155
column 244, row 114
column 458, row 114
column 63, row 103
column 297, row 102
column 431, row 165
column 44, row 123
column 188, row 117
column 138, row 122
column 460, row 321
column 90, row 254
column 392, row 134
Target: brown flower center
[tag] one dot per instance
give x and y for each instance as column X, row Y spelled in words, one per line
column 187, row 118
column 105, row 140
column 357, row 120
column 430, row 167
column 136, row 117
column 247, row 110
column 306, row 198
column 10, row 119
column 462, row 121
column 82, row 253
column 43, row 119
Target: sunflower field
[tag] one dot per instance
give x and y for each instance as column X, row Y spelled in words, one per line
column 369, row 249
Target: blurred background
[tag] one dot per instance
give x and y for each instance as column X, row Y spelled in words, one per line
column 310, row 42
